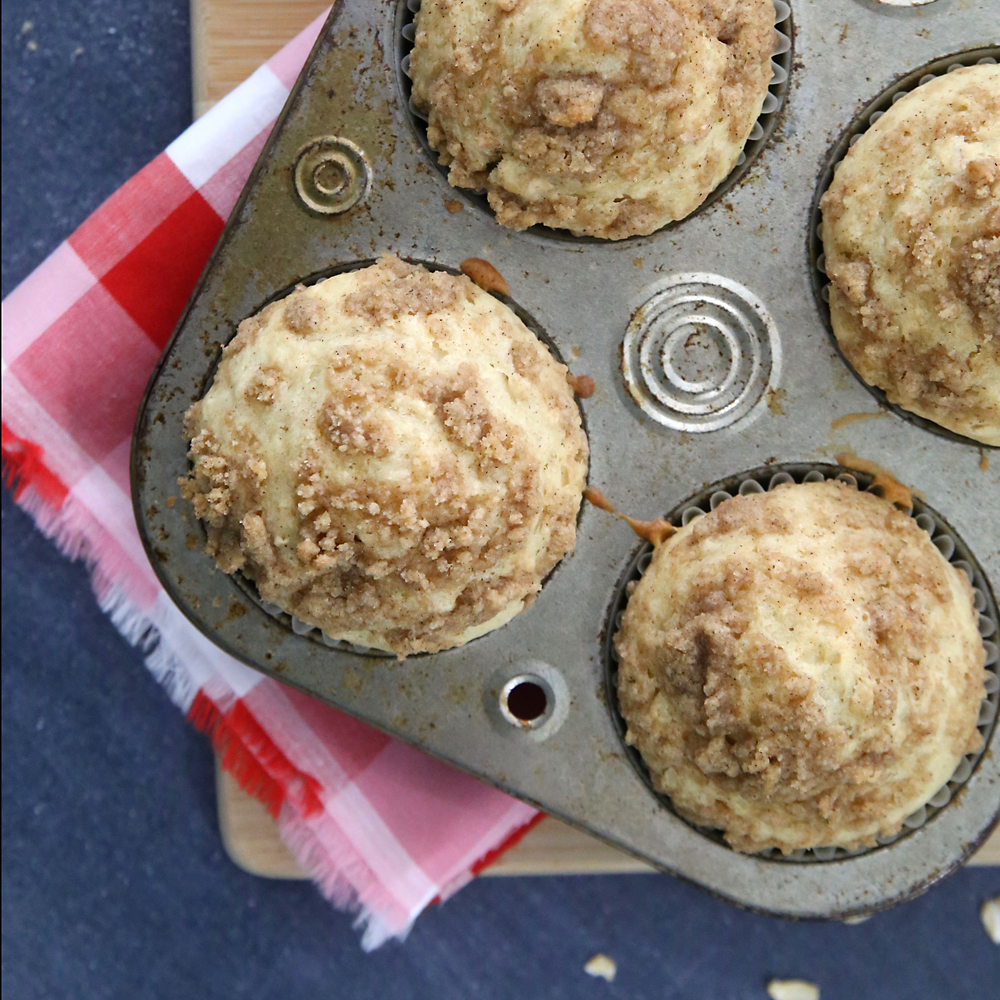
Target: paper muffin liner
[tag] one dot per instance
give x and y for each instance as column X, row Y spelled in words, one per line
column 985, row 56
column 948, row 543
column 781, row 65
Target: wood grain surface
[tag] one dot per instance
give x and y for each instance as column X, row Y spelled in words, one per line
column 251, row 839
column 229, row 40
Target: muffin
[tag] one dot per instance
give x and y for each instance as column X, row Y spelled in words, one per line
column 911, row 233
column 608, row 118
column 389, row 455
column 801, row 668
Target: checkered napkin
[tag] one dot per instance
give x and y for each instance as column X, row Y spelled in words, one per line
column 383, row 829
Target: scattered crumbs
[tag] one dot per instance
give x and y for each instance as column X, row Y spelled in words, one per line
column 989, row 912
column 236, row 610
column 215, row 602
column 170, row 501
column 843, row 34
column 77, row 52
column 637, row 261
column 601, row 965
column 32, row 46
column 453, row 206
column 855, row 418
column 352, row 680
column 859, row 919
column 984, row 460
column 27, row 26
column 575, row 351
column 792, row 989
column 923, row 33
column 775, row 401
column 192, row 542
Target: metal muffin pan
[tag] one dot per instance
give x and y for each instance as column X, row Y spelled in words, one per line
column 381, row 191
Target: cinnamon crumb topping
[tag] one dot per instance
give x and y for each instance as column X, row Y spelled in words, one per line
column 607, row 118
column 801, row 668
column 391, row 456
column 911, row 234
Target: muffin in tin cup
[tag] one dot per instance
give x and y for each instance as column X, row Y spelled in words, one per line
column 604, row 118
column 390, row 456
column 908, row 246
column 799, row 669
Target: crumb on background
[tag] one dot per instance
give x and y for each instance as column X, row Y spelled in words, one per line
column 602, row 966
column 989, row 912
column 792, row 989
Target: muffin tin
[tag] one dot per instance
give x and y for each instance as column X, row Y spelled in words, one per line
column 710, row 356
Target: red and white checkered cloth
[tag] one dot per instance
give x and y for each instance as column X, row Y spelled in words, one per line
column 383, row 829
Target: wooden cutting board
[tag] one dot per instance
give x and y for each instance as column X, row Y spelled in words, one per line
column 251, row 839
column 229, row 40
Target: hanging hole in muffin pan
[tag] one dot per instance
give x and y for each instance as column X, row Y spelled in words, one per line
column 948, row 543
column 871, row 113
column 781, row 67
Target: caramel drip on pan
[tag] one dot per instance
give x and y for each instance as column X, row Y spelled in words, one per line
column 582, row 385
column 598, row 499
column 655, row 531
column 892, row 489
column 483, row 273
column 855, row 418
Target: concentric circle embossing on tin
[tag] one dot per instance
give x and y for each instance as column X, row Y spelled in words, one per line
column 988, row 55
column 700, row 353
column 760, row 134
column 332, row 176
column 947, row 541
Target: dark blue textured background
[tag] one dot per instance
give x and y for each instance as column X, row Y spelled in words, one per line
column 115, row 883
